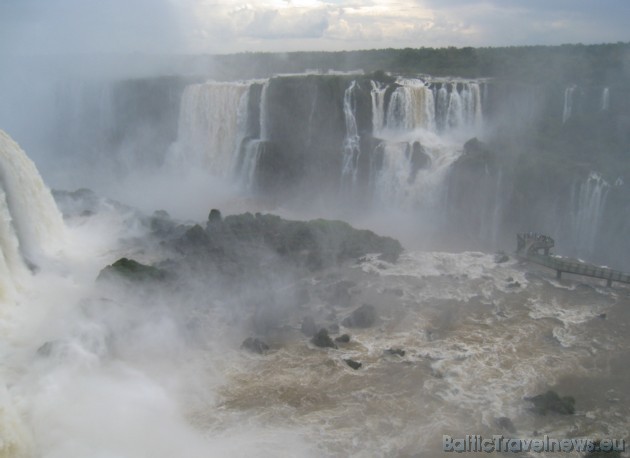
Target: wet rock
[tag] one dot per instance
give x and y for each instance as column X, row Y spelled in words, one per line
column 323, row 340
column 363, row 317
column 308, row 328
column 514, row 284
column 505, row 424
column 418, row 158
column 601, row 316
column 602, row 454
column 214, row 216
column 344, row 338
column 552, row 402
column 255, row 345
column 47, row 348
column 501, row 257
column 395, row 351
column 131, row 270
column 353, row 364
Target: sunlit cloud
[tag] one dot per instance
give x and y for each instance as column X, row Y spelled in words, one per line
column 224, row 26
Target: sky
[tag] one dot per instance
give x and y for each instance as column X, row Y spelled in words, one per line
column 35, row 27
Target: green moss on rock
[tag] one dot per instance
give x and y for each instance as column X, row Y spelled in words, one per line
column 131, row 270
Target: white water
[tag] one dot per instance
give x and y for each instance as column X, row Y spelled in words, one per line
column 351, row 143
column 130, row 377
column 208, row 131
column 439, row 119
column 567, row 111
column 589, row 203
column 605, row 99
column 31, row 227
column 411, row 107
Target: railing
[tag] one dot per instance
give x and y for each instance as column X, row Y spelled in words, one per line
column 528, row 248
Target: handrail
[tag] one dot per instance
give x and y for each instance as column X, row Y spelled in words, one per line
column 528, row 245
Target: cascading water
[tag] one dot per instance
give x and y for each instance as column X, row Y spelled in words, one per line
column 417, row 129
column 420, row 140
column 351, row 143
column 568, row 103
column 411, row 107
column 588, row 204
column 253, row 148
column 29, row 213
column 208, row 132
column 378, row 106
column 605, row 99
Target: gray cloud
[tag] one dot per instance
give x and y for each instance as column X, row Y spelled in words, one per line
column 272, row 24
column 202, row 26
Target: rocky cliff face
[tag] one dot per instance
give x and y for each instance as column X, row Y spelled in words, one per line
column 550, row 155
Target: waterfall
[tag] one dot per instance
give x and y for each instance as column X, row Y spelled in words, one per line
column 411, row 107
column 441, row 107
column 411, row 173
column 264, row 112
column 589, row 200
column 252, row 148
column 30, row 223
column 568, row 103
column 208, row 131
column 605, row 99
column 252, row 151
column 454, row 110
column 351, row 143
column 378, row 106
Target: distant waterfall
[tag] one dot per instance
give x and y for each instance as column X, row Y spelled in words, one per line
column 605, row 99
column 589, row 201
column 411, row 107
column 253, row 145
column 351, row 143
column 417, row 147
column 378, row 106
column 209, row 126
column 417, row 129
column 448, row 106
column 568, row 103
column 30, row 223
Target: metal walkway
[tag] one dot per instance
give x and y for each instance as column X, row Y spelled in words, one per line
column 529, row 244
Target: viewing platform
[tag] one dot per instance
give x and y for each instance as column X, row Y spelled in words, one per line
column 530, row 244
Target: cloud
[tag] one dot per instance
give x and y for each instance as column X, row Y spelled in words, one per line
column 223, row 26
column 278, row 24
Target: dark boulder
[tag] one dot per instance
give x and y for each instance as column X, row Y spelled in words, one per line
column 214, row 216
column 128, row 269
column 353, row 364
column 601, row 453
column 395, row 351
column 505, row 424
column 363, row 317
column 552, row 402
column 323, row 340
column 418, row 158
column 255, row 345
column 344, row 338
column 500, row 257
